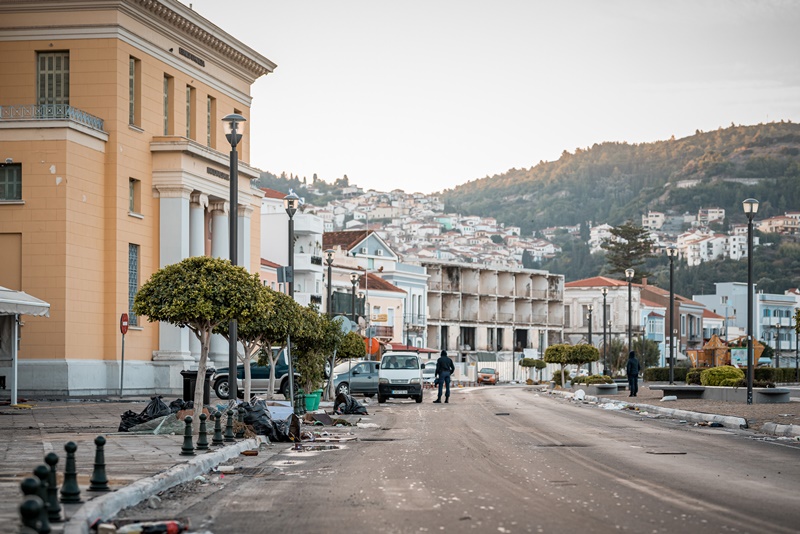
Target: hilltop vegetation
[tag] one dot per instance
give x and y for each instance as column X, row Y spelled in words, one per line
column 615, row 182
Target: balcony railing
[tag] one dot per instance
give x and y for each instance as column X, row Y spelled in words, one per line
column 46, row 112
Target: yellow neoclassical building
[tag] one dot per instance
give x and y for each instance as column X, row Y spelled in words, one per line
column 114, row 163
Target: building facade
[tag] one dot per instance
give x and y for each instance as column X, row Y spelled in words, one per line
column 115, row 165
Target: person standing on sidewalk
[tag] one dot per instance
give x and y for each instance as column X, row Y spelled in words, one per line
column 444, row 368
column 632, row 370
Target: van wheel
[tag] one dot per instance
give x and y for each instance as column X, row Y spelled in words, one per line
column 381, row 399
column 419, row 398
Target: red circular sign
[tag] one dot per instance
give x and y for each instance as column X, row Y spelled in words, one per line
column 123, row 323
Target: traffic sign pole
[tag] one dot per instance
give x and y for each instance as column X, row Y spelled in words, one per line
column 123, row 328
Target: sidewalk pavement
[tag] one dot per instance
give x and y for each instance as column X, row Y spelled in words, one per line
column 781, row 419
column 137, row 465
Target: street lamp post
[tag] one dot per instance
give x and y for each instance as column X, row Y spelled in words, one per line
column 353, row 280
column 750, row 207
column 589, row 308
column 672, row 252
column 604, row 291
column 234, row 128
column 290, row 204
column 329, row 262
column 777, row 345
column 629, row 278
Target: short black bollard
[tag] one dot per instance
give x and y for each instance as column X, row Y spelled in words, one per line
column 31, row 487
column 202, row 437
column 99, row 480
column 42, row 472
column 240, row 420
column 229, row 437
column 53, row 508
column 70, row 491
column 30, row 510
column 187, row 449
column 217, row 439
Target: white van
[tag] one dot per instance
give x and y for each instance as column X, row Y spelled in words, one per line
column 400, row 376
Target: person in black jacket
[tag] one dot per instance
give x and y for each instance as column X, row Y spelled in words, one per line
column 444, row 368
column 632, row 370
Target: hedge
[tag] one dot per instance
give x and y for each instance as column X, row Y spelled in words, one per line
column 717, row 376
column 661, row 374
column 777, row 375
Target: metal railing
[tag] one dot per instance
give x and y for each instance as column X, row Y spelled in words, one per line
column 45, row 112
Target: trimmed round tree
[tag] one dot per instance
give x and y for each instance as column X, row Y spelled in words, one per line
column 198, row 293
column 558, row 353
column 583, row 354
column 281, row 323
column 530, row 363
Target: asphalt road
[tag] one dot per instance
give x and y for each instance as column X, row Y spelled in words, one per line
column 504, row 459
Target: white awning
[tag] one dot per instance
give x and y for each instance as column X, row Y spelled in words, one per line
column 19, row 303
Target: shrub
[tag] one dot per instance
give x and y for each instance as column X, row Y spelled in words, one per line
column 714, row 376
column 742, row 383
column 661, row 374
column 732, row 382
column 693, row 375
column 598, row 379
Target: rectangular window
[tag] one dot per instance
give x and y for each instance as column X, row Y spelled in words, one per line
column 133, row 281
column 211, row 122
column 10, row 181
column 567, row 322
column 134, row 91
column 134, row 195
column 585, row 316
column 52, row 75
column 189, row 112
column 169, row 85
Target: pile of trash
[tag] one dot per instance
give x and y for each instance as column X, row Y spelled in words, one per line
column 156, row 418
column 258, row 417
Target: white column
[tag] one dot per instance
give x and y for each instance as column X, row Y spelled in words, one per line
column 243, row 229
column 173, row 342
column 220, row 248
column 197, row 247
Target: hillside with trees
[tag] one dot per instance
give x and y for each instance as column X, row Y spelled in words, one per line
column 615, row 182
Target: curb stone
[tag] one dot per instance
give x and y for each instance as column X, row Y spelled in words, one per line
column 110, row 504
column 775, row 429
column 727, row 421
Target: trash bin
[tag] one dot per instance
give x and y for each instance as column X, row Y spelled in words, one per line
column 190, row 382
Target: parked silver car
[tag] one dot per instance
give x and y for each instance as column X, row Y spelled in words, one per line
column 356, row 376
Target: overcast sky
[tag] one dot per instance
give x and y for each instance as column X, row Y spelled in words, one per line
column 424, row 95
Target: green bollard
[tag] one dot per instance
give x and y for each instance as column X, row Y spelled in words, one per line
column 240, row 419
column 42, row 472
column 30, row 510
column 99, row 480
column 229, row 437
column 53, row 508
column 202, row 437
column 31, row 488
column 217, row 439
column 187, row 449
column 70, row 491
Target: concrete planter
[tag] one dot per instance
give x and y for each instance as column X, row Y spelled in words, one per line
column 599, row 390
column 726, row 394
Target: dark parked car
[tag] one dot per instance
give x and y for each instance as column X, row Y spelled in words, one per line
column 356, row 377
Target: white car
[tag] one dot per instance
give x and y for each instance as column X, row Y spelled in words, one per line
column 429, row 372
column 577, row 372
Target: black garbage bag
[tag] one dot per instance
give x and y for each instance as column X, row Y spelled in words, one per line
column 130, row 419
column 345, row 404
column 155, row 408
column 287, row 429
column 257, row 415
column 179, row 404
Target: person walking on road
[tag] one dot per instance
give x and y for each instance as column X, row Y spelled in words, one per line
column 632, row 370
column 444, row 368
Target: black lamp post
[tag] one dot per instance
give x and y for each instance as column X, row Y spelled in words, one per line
column 353, row 280
column 777, row 345
column 589, row 308
column 750, row 206
column 604, row 291
column 234, row 127
column 290, row 204
column 629, row 278
column 672, row 252
column 329, row 262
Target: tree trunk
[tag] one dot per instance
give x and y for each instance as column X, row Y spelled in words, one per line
column 273, row 362
column 201, row 377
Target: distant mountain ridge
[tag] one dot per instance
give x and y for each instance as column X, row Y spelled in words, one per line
column 615, row 182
